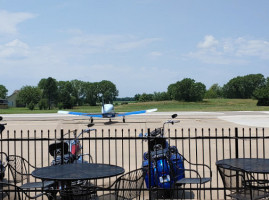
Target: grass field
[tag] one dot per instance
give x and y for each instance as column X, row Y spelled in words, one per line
column 208, row 105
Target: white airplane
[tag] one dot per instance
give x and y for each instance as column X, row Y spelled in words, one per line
column 108, row 112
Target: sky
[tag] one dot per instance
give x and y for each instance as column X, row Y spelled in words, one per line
column 142, row 46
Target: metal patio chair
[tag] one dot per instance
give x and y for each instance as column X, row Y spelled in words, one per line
column 127, row 186
column 239, row 184
column 10, row 191
column 194, row 175
column 18, row 166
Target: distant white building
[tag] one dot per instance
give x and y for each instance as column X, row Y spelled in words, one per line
column 12, row 99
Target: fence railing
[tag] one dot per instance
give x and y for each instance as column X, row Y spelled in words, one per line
column 126, row 149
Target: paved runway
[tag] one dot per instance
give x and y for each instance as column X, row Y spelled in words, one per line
column 246, row 119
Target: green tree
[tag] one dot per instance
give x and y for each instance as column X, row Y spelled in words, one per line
column 197, row 91
column 171, row 91
column 30, row 96
column 215, row 91
column 187, row 90
column 43, row 104
column 91, row 93
column 242, row 87
column 160, row 96
column 137, row 96
column 253, row 82
column 146, row 97
column 3, row 92
column 78, row 91
column 108, row 91
column 65, row 98
column 49, row 88
column 262, row 94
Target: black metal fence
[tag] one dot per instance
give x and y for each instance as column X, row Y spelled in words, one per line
column 126, row 149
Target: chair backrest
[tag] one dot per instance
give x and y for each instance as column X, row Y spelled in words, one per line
column 9, row 191
column 232, row 178
column 129, row 185
column 18, row 167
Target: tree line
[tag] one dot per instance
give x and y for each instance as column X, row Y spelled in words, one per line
column 66, row 94
column 241, row 87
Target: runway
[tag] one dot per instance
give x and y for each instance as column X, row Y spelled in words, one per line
column 254, row 119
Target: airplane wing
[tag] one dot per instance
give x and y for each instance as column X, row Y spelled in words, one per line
column 101, row 115
column 81, row 114
column 136, row 112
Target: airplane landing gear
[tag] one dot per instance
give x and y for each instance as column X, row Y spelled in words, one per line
column 123, row 119
column 91, row 119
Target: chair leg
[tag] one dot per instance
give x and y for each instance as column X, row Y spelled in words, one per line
column 199, row 193
column 52, row 196
column 183, row 195
column 224, row 194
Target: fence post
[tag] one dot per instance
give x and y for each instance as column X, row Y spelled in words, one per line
column 62, row 141
column 236, row 156
column 236, row 143
column 149, row 163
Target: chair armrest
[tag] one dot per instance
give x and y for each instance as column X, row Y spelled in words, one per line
column 33, row 166
column 10, row 167
column 27, row 163
column 191, row 170
column 114, row 184
column 104, row 188
column 203, row 165
column 196, row 171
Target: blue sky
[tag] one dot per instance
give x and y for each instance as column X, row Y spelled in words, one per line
column 139, row 45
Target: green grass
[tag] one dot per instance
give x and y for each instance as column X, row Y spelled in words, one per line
column 208, row 105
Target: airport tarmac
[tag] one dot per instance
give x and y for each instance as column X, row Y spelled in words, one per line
column 246, row 119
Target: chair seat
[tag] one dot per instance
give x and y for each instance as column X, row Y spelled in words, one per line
column 193, row 180
column 245, row 194
column 32, row 185
column 107, row 197
column 124, row 185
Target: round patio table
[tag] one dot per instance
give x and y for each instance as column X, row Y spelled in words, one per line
column 79, row 171
column 67, row 173
column 251, row 165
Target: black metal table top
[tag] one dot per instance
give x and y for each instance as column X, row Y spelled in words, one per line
column 254, row 165
column 73, row 172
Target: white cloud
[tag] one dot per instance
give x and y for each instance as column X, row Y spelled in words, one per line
column 128, row 45
column 155, row 54
column 108, row 43
column 94, row 40
column 230, row 51
column 257, row 48
column 15, row 49
column 209, row 41
column 9, row 21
